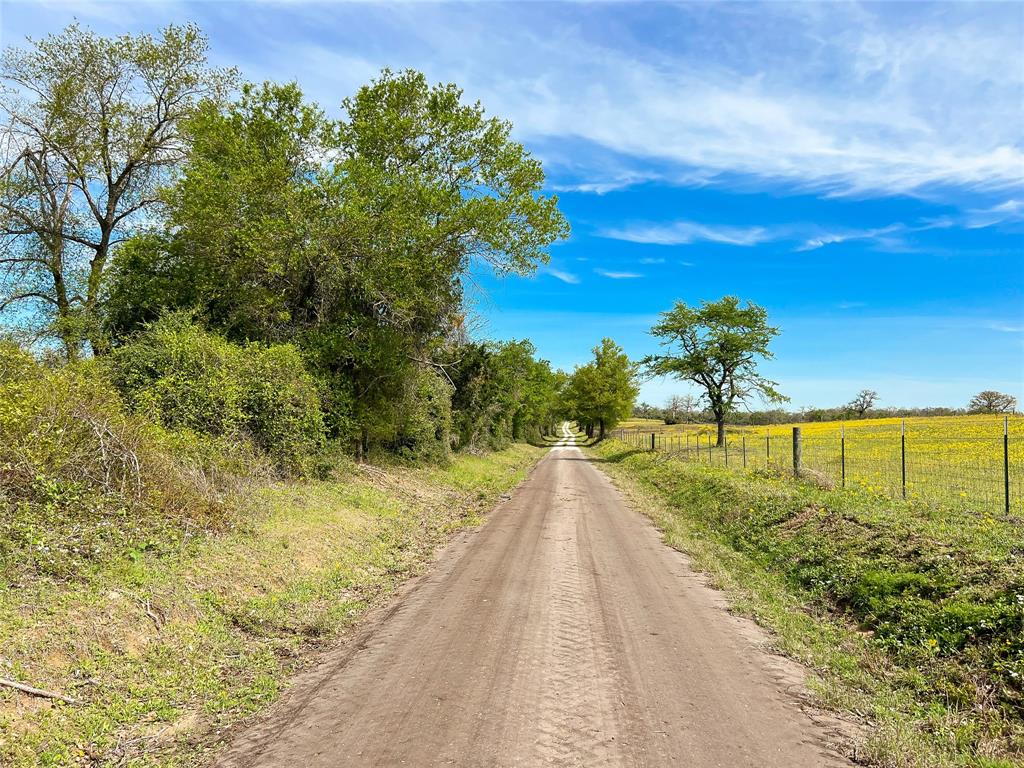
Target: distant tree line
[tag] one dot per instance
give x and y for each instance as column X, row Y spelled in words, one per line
column 681, row 409
column 180, row 230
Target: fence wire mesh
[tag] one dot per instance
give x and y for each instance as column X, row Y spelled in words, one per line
column 965, row 467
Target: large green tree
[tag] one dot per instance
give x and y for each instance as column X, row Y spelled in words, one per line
column 352, row 238
column 92, row 128
column 717, row 346
column 602, row 392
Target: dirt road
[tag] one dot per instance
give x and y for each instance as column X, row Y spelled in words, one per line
column 561, row 633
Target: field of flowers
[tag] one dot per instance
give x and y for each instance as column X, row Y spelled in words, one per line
column 957, row 460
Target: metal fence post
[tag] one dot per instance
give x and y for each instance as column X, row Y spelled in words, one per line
column 711, row 455
column 1006, row 464
column 768, row 449
column 726, row 444
column 797, row 451
column 903, row 455
column 652, row 441
column 744, row 451
column 842, row 452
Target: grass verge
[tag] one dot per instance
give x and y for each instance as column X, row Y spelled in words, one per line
column 165, row 648
column 910, row 617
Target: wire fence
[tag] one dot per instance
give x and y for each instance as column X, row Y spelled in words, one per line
column 974, row 471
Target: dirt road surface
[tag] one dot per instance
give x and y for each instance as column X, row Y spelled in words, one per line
column 563, row 632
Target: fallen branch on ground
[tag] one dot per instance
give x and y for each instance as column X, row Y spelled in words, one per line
column 37, row 691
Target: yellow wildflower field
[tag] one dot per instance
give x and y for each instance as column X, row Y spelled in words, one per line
column 958, row 460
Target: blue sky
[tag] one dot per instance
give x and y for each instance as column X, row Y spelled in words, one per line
column 856, row 169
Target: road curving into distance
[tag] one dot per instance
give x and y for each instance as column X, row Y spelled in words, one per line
column 563, row 632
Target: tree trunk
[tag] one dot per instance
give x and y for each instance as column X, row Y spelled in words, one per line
column 67, row 334
column 363, row 445
column 602, row 430
column 720, row 422
column 92, row 297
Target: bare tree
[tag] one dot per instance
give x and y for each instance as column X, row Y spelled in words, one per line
column 681, row 407
column 92, row 127
column 991, row 401
column 863, row 402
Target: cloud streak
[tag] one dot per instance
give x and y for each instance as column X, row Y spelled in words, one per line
column 852, row 99
column 618, row 275
column 686, row 232
column 565, row 277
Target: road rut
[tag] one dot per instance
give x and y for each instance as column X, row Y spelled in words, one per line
column 563, row 632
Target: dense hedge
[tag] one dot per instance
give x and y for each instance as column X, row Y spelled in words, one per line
column 182, row 376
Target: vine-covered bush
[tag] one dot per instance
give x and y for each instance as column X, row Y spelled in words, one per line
column 425, row 427
column 181, row 376
column 82, row 480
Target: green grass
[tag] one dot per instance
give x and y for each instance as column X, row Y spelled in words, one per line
column 164, row 648
column 911, row 617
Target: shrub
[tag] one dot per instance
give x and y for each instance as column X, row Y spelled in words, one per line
column 81, row 480
column 182, row 376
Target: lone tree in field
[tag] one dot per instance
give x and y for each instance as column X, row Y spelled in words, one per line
column 991, row 401
column 602, row 392
column 91, row 129
column 863, row 402
column 717, row 346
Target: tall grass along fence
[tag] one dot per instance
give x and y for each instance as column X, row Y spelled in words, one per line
column 981, row 467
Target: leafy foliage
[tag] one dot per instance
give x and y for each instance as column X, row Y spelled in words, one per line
column 183, row 377
column 991, row 401
column 601, row 393
column 358, row 260
column 94, row 128
column 502, row 394
column 81, row 480
column 716, row 346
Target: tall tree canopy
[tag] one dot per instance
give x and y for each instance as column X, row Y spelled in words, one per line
column 717, row 346
column 602, row 392
column 91, row 129
column 352, row 238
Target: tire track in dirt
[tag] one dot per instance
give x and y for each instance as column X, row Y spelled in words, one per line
column 562, row 633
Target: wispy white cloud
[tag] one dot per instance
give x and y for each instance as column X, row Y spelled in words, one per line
column 565, row 277
column 618, row 275
column 685, row 232
column 649, row 260
column 1005, row 212
column 852, row 98
column 1007, row 327
column 881, row 235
